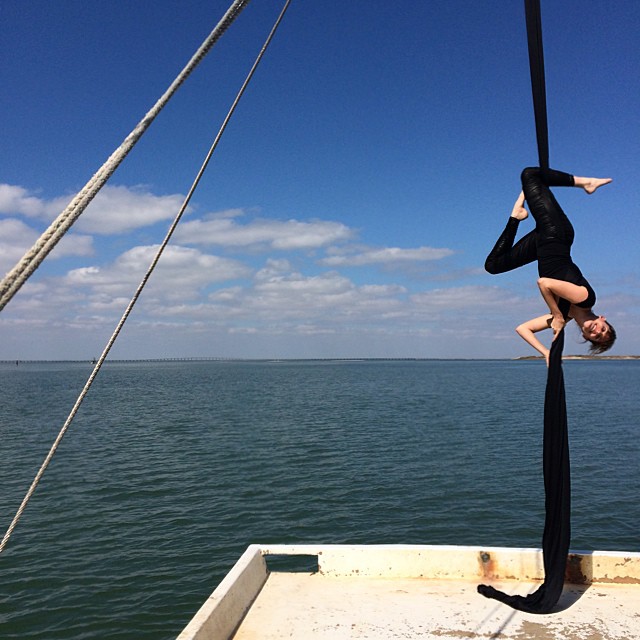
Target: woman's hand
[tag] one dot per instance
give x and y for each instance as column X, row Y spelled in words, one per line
column 557, row 324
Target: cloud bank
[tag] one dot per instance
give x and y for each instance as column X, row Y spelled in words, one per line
column 236, row 284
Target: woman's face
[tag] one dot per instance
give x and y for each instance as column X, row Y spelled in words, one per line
column 596, row 330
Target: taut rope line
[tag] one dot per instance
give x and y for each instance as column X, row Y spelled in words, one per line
column 31, row 260
column 141, row 286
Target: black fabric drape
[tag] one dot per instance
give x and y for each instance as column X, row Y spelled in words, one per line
column 536, row 66
column 556, row 469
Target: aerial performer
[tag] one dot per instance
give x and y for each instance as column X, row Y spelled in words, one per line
column 550, row 244
column 568, row 295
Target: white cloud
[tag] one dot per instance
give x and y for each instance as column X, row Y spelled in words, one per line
column 275, row 234
column 327, row 300
column 278, row 299
column 73, row 244
column 181, row 273
column 15, row 200
column 388, row 256
column 469, row 297
column 329, row 304
column 273, row 268
column 16, row 238
column 116, row 209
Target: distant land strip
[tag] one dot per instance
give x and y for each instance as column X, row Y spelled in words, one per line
column 220, row 359
column 583, row 357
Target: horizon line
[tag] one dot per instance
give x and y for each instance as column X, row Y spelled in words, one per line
column 302, row 359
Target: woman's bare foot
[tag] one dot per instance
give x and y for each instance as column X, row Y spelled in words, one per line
column 519, row 212
column 591, row 184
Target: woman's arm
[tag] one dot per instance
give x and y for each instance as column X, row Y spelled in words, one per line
column 552, row 290
column 527, row 331
column 574, row 293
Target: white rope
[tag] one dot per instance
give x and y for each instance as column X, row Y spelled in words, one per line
column 141, row 286
column 15, row 278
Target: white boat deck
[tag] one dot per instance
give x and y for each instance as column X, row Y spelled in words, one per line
column 427, row 592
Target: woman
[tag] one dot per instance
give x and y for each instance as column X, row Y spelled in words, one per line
column 550, row 244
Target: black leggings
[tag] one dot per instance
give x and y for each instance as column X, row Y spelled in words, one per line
column 552, row 225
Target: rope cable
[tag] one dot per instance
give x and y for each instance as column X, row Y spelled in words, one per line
column 141, row 286
column 536, row 67
column 31, row 260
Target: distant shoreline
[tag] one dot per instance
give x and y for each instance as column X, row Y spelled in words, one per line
column 585, row 357
column 220, row 359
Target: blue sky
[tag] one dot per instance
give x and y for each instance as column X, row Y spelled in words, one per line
column 350, row 205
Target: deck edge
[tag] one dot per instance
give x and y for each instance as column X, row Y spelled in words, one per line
column 225, row 608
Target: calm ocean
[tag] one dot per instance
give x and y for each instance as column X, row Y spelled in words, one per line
column 172, row 468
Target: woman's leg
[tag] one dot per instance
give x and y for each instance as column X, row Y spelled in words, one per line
column 590, row 184
column 505, row 256
column 551, row 221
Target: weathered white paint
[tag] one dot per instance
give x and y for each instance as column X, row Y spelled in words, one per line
column 463, row 563
column 416, row 590
column 219, row 616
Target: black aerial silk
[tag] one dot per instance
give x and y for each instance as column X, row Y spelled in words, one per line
column 538, row 85
column 557, row 524
column 556, row 468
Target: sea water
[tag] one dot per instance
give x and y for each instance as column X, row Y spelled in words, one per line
column 171, row 469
